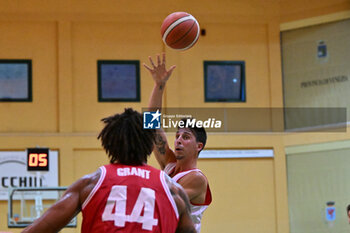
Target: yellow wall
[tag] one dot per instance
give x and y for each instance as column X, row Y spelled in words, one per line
column 292, row 10
column 36, row 41
column 66, row 38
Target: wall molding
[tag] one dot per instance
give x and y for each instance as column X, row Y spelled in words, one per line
column 315, row 21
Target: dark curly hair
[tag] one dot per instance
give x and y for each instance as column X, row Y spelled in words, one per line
column 124, row 139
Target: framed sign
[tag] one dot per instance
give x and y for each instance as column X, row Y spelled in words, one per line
column 14, row 172
column 15, row 80
column 118, row 81
column 224, row 81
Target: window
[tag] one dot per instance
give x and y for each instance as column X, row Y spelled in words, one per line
column 16, row 80
column 224, row 81
column 118, row 81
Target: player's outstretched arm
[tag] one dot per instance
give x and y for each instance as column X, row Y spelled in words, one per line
column 185, row 224
column 59, row 215
column 160, row 75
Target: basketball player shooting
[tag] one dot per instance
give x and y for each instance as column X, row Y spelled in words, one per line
column 180, row 164
column 126, row 195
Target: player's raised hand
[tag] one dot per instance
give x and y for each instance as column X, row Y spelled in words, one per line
column 159, row 72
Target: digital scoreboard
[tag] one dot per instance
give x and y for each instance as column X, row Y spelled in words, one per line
column 38, row 159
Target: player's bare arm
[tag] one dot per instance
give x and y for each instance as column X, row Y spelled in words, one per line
column 162, row 151
column 66, row 208
column 195, row 185
column 160, row 75
column 185, row 224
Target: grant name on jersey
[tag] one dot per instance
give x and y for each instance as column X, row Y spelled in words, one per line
column 133, row 171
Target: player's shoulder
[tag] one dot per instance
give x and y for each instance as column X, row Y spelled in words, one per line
column 88, row 182
column 92, row 177
column 84, row 185
column 196, row 177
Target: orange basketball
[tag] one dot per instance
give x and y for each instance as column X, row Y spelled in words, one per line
column 180, row 30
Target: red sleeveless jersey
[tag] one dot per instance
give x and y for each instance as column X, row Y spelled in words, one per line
column 130, row 199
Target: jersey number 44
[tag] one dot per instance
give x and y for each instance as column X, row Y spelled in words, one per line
column 115, row 209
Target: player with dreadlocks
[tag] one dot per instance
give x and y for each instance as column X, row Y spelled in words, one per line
column 126, row 195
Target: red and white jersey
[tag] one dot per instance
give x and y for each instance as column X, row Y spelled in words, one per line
column 197, row 210
column 130, row 199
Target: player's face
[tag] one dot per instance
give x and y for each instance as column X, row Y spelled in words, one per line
column 185, row 144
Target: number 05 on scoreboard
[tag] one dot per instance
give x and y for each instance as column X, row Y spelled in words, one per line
column 38, row 159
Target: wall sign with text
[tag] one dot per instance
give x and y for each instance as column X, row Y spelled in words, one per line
column 27, row 169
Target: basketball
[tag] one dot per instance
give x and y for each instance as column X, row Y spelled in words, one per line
column 180, row 31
